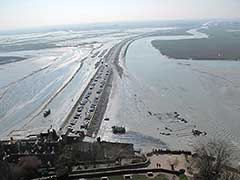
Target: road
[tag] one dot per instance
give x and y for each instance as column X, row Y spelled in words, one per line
column 88, row 112
column 82, row 114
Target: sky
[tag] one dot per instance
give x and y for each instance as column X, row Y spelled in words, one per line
column 34, row 13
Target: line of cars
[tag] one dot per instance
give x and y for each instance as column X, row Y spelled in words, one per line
column 88, row 104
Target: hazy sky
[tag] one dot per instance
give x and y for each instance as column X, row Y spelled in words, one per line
column 27, row 13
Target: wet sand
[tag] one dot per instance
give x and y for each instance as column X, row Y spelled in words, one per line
column 10, row 59
column 153, row 87
column 51, row 78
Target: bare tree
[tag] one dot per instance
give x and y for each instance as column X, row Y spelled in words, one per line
column 213, row 156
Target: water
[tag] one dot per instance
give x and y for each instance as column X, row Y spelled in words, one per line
column 205, row 93
column 55, row 86
column 56, row 68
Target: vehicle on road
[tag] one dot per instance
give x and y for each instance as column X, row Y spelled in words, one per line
column 46, row 113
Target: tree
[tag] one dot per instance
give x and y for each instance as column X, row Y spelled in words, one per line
column 213, row 156
column 26, row 168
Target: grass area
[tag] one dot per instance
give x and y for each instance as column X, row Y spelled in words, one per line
column 222, row 44
column 136, row 177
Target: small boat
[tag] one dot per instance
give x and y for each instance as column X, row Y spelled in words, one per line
column 46, row 113
column 118, row 130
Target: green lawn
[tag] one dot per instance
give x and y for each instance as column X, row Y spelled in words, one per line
column 136, row 177
column 142, row 177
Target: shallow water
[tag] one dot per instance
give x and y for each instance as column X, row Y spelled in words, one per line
column 48, row 78
column 25, row 97
column 205, row 93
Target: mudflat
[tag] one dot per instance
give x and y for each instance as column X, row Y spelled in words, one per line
column 223, row 44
